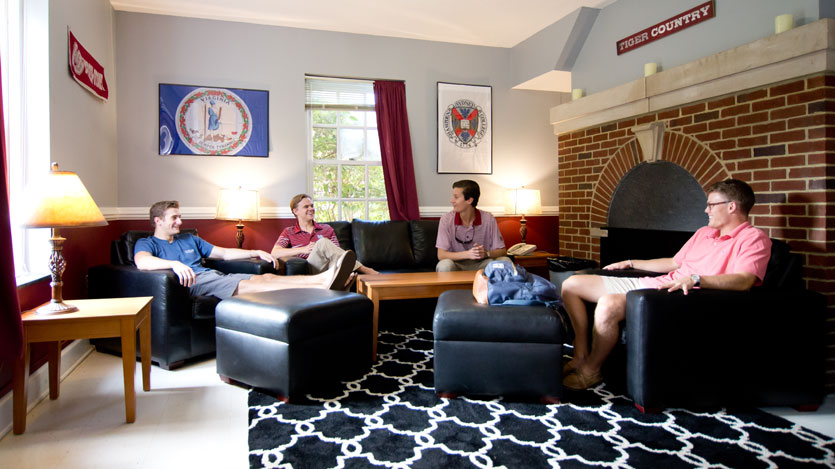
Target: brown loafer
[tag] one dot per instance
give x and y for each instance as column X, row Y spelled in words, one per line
column 568, row 368
column 577, row 381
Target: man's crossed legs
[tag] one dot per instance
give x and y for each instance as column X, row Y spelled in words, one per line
column 583, row 371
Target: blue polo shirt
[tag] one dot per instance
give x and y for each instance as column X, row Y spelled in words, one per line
column 185, row 247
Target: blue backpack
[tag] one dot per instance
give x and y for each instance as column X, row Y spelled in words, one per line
column 513, row 285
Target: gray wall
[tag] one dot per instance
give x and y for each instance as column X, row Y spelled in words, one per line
column 153, row 49
column 737, row 22
column 83, row 127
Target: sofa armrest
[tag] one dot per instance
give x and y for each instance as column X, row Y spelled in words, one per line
column 296, row 266
column 747, row 341
column 170, row 298
column 620, row 273
column 241, row 266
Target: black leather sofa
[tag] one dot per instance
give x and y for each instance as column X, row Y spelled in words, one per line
column 386, row 246
column 182, row 326
column 764, row 347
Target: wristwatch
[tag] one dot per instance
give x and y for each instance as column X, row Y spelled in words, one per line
column 696, row 279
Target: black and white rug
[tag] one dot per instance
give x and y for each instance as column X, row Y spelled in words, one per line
column 391, row 417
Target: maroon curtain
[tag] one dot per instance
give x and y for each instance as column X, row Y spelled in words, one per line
column 396, row 149
column 11, row 332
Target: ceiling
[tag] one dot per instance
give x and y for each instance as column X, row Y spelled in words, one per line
column 498, row 23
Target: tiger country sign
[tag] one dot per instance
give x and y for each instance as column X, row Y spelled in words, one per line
column 86, row 70
column 683, row 20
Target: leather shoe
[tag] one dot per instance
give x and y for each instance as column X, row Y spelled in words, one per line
column 568, row 368
column 577, row 381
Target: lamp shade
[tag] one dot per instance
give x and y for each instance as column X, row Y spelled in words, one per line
column 238, row 204
column 60, row 200
column 522, row 202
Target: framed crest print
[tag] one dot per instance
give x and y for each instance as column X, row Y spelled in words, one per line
column 200, row 120
column 465, row 128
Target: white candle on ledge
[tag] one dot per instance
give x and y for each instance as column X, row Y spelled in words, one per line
column 783, row 23
column 576, row 94
column 650, row 69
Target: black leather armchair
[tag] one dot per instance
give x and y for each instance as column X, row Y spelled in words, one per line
column 182, row 326
column 763, row 347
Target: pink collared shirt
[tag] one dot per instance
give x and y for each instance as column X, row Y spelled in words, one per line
column 745, row 249
column 454, row 236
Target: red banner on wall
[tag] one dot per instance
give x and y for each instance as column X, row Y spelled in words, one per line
column 672, row 25
column 85, row 69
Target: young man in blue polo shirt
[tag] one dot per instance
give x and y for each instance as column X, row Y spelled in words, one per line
column 468, row 238
column 182, row 252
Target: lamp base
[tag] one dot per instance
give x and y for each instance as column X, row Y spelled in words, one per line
column 55, row 307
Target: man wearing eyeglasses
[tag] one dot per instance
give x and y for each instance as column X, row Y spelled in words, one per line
column 727, row 254
column 468, row 238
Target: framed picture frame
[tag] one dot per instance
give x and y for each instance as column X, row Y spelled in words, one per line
column 465, row 128
column 204, row 120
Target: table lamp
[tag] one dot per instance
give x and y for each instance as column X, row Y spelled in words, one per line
column 238, row 205
column 59, row 200
column 520, row 202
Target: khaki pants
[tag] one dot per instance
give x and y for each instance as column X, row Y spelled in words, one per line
column 324, row 256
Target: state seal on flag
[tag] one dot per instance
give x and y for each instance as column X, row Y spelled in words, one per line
column 214, row 121
column 464, row 123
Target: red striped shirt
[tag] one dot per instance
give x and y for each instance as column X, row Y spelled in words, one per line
column 294, row 236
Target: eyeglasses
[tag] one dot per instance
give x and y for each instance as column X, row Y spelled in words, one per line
column 465, row 240
column 710, row 205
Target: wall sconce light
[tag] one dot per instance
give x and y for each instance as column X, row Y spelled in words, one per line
column 520, row 202
column 238, row 205
column 650, row 69
column 576, row 94
column 59, row 200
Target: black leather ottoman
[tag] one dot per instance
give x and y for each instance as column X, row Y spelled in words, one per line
column 289, row 341
column 496, row 350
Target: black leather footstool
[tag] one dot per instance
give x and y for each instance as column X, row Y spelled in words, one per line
column 496, row 350
column 289, row 341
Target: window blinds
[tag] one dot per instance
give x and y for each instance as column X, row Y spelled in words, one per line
column 338, row 93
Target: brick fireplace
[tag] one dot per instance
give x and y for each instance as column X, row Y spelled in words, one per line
column 769, row 122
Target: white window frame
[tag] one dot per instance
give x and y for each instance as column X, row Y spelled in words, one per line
column 339, row 162
column 25, row 81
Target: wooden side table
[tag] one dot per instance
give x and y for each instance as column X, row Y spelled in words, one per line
column 535, row 262
column 99, row 318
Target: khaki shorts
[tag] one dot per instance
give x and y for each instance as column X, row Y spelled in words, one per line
column 622, row 285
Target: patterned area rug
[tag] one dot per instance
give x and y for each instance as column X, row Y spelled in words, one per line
column 391, row 417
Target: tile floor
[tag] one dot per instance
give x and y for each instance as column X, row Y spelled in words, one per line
column 189, row 419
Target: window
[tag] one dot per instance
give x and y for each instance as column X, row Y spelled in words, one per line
column 24, row 49
column 346, row 172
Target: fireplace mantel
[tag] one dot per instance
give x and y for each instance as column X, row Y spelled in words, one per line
column 798, row 52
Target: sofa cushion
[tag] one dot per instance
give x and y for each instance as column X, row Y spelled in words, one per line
column 785, row 269
column 343, row 233
column 383, row 244
column 424, row 235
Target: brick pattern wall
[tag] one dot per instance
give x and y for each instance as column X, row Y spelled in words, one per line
column 780, row 139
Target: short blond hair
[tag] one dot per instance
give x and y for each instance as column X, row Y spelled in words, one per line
column 296, row 200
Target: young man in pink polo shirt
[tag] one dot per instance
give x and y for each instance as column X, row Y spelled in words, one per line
column 727, row 254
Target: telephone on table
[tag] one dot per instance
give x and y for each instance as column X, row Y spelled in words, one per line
column 521, row 249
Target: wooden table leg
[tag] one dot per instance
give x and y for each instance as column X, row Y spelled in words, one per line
column 145, row 350
column 129, row 367
column 54, row 358
column 375, row 298
column 20, row 382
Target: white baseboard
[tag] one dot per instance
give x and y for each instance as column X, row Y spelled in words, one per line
column 71, row 357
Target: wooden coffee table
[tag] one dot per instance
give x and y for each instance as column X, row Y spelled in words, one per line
column 106, row 317
column 409, row 286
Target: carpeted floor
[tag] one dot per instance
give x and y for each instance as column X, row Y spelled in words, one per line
column 391, row 417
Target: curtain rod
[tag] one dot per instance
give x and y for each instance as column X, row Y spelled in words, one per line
column 331, row 77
